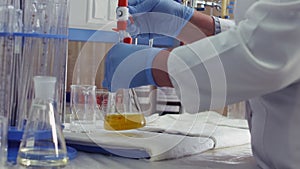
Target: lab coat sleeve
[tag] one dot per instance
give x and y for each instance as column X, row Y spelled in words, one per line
column 259, row 56
column 226, row 24
column 222, row 25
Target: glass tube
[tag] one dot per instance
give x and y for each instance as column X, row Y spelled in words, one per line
column 45, row 52
column 9, row 23
column 3, row 141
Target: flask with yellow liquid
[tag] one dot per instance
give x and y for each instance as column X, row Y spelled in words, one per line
column 123, row 112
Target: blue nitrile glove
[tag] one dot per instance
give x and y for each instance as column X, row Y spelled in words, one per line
column 128, row 66
column 158, row 17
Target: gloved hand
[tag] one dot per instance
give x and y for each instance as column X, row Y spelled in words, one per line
column 158, row 17
column 128, row 66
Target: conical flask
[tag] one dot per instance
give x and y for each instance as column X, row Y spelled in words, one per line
column 123, row 111
column 43, row 144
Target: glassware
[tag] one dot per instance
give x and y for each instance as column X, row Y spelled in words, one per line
column 122, row 111
column 102, row 99
column 43, row 143
column 3, row 140
column 83, row 108
column 6, row 53
column 9, row 50
column 45, row 51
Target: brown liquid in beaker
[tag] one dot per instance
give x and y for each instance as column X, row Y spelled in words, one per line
column 124, row 121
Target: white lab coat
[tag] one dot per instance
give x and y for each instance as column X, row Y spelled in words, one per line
column 258, row 60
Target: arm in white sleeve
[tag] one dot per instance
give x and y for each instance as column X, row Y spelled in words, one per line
column 222, row 25
column 226, row 24
column 259, row 56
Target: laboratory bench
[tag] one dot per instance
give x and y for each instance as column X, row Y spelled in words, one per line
column 201, row 161
column 230, row 158
column 235, row 157
column 126, row 149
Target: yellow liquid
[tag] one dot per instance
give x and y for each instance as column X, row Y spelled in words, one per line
column 124, row 121
column 42, row 158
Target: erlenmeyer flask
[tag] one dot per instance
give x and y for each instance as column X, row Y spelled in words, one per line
column 123, row 112
column 43, row 143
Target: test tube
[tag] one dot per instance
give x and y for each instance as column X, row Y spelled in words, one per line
column 3, row 60
column 45, row 49
column 15, row 3
column 8, row 22
column 3, row 141
column 31, row 50
column 17, row 60
column 4, row 3
column 60, row 22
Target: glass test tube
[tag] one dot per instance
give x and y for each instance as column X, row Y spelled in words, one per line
column 3, row 141
column 45, row 53
column 9, row 18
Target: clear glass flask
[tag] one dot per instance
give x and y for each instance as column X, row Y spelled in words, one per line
column 43, row 143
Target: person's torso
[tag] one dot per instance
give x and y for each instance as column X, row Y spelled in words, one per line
column 275, row 120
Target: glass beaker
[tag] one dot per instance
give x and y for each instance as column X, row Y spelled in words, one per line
column 102, row 99
column 123, row 112
column 83, row 107
column 43, row 143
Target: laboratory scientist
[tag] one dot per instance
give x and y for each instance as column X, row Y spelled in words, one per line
column 256, row 59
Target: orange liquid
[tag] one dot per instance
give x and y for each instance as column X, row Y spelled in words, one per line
column 124, row 121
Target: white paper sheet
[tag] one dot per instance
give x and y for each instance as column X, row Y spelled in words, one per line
column 169, row 137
